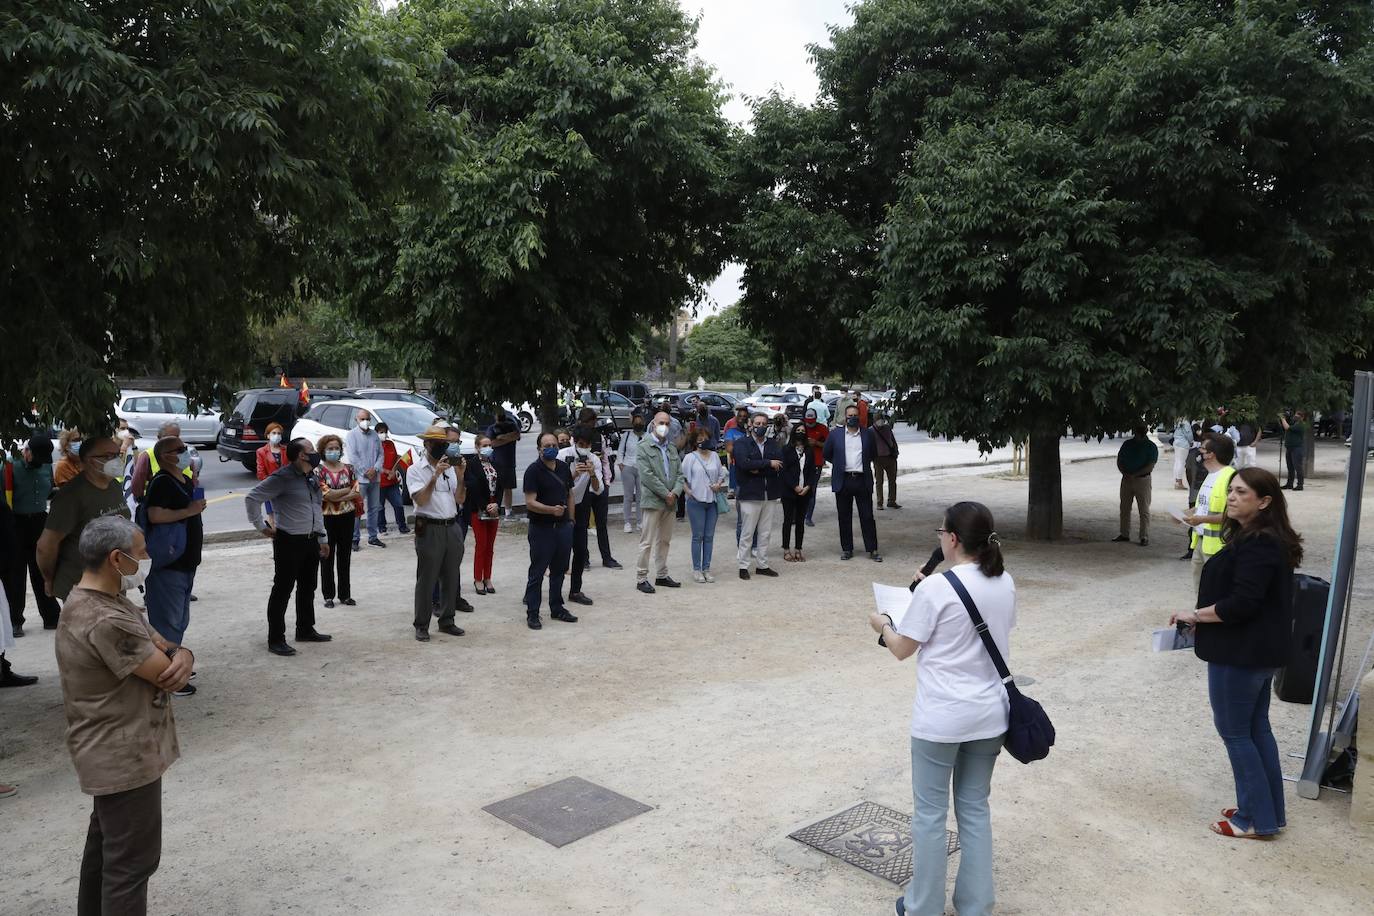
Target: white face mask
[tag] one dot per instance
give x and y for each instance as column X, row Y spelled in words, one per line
column 582, row 452
column 130, row 582
column 661, row 430
column 112, row 468
column 124, row 434
column 364, row 425
column 275, row 438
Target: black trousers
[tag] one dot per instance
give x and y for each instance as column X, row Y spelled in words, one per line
column 296, row 562
column 549, row 549
column 28, row 528
column 794, row 515
column 581, row 556
column 1297, row 464
column 601, row 509
column 123, row 850
column 854, row 490
column 339, row 529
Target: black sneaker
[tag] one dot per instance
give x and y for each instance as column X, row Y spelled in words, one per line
column 612, row 563
column 450, row 629
column 463, row 605
column 1121, row 539
column 766, row 571
column 577, row 598
column 744, row 574
column 421, row 634
column 329, row 602
column 667, row 582
column 532, row 621
column 376, row 542
column 18, row 631
column 847, row 555
column 188, row 691
column 349, row 602
column 645, row 587
column 564, row 615
column 875, row 556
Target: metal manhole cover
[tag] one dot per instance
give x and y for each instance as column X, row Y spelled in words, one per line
column 567, row 810
column 870, row 836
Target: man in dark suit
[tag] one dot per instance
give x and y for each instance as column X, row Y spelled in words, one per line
column 849, row 451
column 758, row 460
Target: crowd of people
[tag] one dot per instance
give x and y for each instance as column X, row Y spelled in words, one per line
column 129, row 520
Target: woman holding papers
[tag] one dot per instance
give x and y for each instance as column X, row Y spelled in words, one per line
column 1244, row 626
column 959, row 718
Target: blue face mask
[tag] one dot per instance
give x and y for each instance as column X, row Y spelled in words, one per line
column 332, row 454
column 454, row 449
column 851, row 422
column 550, row 453
column 487, row 451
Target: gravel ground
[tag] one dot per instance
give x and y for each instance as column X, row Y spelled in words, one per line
column 351, row 778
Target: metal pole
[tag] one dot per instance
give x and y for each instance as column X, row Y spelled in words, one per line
column 1347, row 537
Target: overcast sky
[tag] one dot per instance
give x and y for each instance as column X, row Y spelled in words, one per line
column 756, row 45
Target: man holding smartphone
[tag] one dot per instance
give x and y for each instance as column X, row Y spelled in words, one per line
column 589, row 484
column 437, row 488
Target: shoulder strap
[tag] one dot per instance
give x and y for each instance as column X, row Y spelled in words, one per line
column 979, row 625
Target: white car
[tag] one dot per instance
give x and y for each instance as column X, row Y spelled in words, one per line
column 145, row 411
column 405, row 421
column 523, row 412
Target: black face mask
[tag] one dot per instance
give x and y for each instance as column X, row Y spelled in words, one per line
column 760, row 432
column 314, row 458
column 436, row 449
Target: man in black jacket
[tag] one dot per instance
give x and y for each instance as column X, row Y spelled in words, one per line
column 849, row 451
column 758, row 461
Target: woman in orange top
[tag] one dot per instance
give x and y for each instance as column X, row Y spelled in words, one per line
column 271, row 457
column 339, row 485
column 69, row 466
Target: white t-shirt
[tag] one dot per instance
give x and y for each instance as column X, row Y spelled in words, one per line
column 1204, row 495
column 959, row 696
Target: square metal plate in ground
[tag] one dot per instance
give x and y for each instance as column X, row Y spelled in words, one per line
column 873, row 837
column 567, row 810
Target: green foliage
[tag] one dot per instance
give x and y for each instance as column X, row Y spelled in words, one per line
column 319, row 337
column 165, row 171
column 1084, row 210
column 722, row 348
column 586, row 198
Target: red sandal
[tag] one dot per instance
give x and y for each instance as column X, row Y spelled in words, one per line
column 1227, row 829
column 1229, row 813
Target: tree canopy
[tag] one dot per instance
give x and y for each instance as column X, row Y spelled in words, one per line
column 1087, row 212
column 165, row 171
column 587, row 196
column 722, row 348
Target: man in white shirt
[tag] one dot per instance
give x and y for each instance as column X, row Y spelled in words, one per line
column 588, row 478
column 437, row 488
column 629, row 473
column 850, row 455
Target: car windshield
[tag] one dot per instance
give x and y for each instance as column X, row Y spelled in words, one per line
column 405, row 421
column 766, row 390
column 776, row 399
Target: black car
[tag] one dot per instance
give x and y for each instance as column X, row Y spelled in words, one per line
column 637, row 392
column 683, row 404
column 245, row 427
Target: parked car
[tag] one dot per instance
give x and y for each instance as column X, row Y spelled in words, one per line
column 524, row 414
column 398, row 394
column 791, row 405
column 145, row 411
column 683, row 405
column 611, row 408
column 245, row 427
column 406, row 422
column 638, row 392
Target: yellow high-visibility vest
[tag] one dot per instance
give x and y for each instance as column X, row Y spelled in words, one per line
column 1216, row 504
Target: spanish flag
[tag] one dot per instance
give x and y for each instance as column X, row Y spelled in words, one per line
column 305, row 392
column 284, row 382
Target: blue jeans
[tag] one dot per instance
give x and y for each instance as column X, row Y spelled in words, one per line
column 372, row 498
column 167, row 596
column 703, row 518
column 932, row 766
column 391, row 496
column 1240, row 710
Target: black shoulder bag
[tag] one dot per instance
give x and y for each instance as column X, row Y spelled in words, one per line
column 1030, row 734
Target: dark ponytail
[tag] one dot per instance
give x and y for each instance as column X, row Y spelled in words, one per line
column 971, row 523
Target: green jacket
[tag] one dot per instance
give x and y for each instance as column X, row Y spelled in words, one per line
column 654, row 484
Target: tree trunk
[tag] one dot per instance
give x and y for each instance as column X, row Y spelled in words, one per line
column 1309, row 448
column 672, row 352
column 548, row 410
column 1045, row 507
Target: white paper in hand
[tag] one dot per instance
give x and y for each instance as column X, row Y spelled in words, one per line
column 892, row 600
column 1177, row 515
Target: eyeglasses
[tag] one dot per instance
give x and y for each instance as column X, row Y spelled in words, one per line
column 943, row 531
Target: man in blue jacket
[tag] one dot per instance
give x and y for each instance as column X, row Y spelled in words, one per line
column 758, row 461
column 849, row 452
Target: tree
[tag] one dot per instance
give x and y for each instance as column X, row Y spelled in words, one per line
column 587, row 197
column 1099, row 209
column 721, row 347
column 165, row 171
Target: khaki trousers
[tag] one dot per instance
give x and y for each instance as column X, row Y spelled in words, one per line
column 655, row 535
column 1137, row 490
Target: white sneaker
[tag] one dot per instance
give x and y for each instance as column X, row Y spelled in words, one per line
column 697, row 576
column 706, row 575
column 629, row 528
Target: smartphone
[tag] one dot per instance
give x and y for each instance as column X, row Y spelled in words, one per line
column 198, row 493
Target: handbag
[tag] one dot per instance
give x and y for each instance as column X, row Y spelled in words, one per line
column 165, row 542
column 722, row 503
column 1030, row 734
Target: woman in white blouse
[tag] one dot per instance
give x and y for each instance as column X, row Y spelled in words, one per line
column 959, row 718
column 705, row 477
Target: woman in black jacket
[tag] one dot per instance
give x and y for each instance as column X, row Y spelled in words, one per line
column 1244, row 625
column 799, row 476
column 482, row 480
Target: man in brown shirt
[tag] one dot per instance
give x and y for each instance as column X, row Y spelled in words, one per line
column 117, row 674
column 93, row 494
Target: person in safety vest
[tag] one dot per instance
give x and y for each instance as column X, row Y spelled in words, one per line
column 1206, row 515
column 146, row 466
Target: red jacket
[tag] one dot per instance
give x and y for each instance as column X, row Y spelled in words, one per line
column 269, row 463
column 817, row 435
column 390, row 475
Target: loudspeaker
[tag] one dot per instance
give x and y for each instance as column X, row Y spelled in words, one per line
column 1297, row 679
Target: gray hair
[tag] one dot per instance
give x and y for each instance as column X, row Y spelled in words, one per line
column 756, row 414
column 164, row 429
column 102, row 535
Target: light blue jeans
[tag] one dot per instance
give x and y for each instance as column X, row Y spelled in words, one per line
column 372, row 502
column 703, row 518
column 970, row 766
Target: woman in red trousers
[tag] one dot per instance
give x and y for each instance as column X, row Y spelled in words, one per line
column 481, row 502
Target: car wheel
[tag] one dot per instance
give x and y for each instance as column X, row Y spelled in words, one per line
column 251, row 466
column 526, row 422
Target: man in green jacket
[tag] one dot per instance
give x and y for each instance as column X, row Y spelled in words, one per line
column 661, row 483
